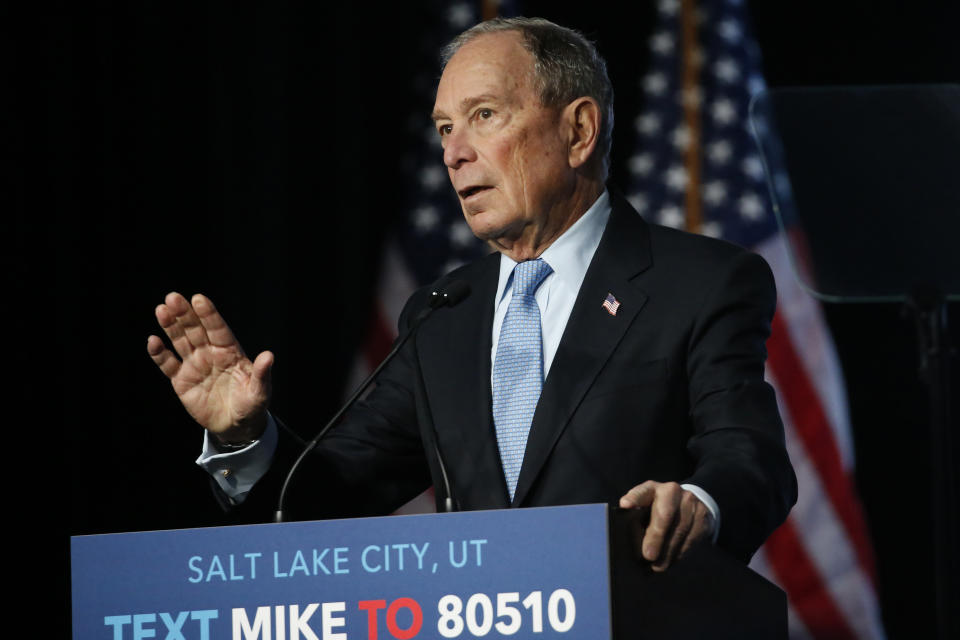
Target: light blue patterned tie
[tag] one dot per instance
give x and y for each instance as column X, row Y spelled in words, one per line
column 518, row 369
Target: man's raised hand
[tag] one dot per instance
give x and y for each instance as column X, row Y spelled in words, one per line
column 216, row 382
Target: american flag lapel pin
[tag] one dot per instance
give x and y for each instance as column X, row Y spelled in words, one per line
column 611, row 304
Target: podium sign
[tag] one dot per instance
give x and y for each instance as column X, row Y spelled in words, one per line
column 515, row 573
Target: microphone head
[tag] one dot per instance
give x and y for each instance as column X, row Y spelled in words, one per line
column 450, row 294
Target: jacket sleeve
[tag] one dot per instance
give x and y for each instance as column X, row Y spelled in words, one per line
column 371, row 463
column 738, row 439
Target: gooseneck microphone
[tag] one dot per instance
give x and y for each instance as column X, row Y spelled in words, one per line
column 449, row 295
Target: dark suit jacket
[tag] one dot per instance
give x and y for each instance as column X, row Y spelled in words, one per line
column 670, row 388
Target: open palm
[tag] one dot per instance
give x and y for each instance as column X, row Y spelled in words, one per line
column 216, row 382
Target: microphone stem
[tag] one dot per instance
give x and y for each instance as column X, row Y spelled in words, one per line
column 279, row 514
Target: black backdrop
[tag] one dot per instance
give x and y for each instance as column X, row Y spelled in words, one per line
column 249, row 151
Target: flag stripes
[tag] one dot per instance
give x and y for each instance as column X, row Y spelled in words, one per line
column 811, row 426
column 805, row 588
column 822, row 555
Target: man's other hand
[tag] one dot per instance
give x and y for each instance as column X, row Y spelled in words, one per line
column 216, row 382
column 678, row 520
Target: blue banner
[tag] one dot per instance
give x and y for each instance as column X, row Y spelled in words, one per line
column 518, row 573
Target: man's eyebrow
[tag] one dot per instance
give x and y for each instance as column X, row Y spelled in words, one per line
column 465, row 105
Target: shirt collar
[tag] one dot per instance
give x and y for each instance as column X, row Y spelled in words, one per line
column 571, row 253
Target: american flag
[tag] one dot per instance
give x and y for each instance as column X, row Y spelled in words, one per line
column 696, row 166
column 611, row 304
column 432, row 237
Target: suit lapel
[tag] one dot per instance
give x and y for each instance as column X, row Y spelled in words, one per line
column 591, row 335
column 454, row 352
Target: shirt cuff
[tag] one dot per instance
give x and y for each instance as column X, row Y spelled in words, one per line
column 237, row 471
column 710, row 503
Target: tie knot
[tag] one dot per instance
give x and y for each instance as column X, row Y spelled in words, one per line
column 528, row 275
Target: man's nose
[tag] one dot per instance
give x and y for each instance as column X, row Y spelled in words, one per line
column 458, row 149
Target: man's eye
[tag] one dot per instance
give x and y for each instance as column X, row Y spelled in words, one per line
column 445, row 129
column 485, row 114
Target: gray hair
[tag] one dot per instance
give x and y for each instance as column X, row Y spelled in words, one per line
column 566, row 66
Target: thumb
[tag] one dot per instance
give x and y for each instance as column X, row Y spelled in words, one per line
column 262, row 366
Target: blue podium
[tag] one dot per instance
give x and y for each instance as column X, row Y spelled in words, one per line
column 554, row 572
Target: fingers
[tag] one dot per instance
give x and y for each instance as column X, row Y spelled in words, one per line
column 640, row 496
column 663, row 512
column 683, row 525
column 167, row 320
column 181, row 324
column 663, row 498
column 702, row 529
column 162, row 357
column 678, row 520
column 192, row 325
column 214, row 326
column 187, row 319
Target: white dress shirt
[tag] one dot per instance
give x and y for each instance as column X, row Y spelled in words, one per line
column 569, row 256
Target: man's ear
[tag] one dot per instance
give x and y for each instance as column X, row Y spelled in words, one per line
column 583, row 119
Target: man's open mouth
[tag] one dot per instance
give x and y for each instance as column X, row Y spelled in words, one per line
column 471, row 191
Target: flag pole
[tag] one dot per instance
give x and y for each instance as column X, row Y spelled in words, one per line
column 489, row 9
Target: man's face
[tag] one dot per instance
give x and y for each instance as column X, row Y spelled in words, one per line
column 506, row 153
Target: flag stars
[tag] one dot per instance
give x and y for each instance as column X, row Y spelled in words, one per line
column 460, row 15
column 671, row 216
column 676, row 178
column 662, row 43
column 460, row 235
column 641, row 164
column 750, row 207
column 712, row 229
column 781, row 184
column 668, row 7
column 714, row 193
column 648, row 124
column 655, row 84
column 681, row 137
column 639, row 202
column 432, row 137
column 732, row 184
column 726, row 70
column 432, row 177
column 730, row 31
column 719, row 152
column 425, row 218
column 611, row 304
column 752, row 166
column 723, row 112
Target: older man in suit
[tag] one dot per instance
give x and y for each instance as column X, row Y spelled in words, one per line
column 597, row 359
